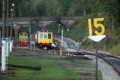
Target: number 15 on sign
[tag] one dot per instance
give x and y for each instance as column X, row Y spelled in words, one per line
column 98, row 35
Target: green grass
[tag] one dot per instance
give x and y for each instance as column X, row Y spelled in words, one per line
column 116, row 50
column 84, row 63
column 51, row 70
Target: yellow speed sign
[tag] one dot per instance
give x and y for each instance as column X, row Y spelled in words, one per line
column 96, row 25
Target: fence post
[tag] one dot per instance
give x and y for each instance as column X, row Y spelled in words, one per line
column 3, row 64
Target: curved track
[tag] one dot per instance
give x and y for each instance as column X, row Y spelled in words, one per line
column 110, row 59
column 70, row 44
column 114, row 61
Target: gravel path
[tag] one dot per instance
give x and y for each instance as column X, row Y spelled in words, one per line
column 108, row 72
column 64, row 43
column 65, row 46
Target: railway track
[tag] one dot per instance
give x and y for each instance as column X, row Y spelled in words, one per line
column 70, row 44
column 112, row 60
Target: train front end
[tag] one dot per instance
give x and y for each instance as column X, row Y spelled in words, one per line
column 23, row 39
column 45, row 39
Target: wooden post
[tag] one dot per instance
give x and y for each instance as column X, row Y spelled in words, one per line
column 11, row 25
column 12, row 14
column 3, row 19
column 16, row 35
column 7, row 18
column 61, row 51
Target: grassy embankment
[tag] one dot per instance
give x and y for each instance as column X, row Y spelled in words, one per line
column 79, row 32
column 52, row 69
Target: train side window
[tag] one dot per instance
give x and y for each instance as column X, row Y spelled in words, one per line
column 36, row 36
column 45, row 35
column 41, row 36
column 49, row 36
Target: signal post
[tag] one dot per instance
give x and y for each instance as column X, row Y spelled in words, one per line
column 97, row 37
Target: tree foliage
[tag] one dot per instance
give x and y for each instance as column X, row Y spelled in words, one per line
column 109, row 9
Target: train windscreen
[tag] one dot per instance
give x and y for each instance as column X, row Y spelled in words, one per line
column 45, row 35
column 21, row 34
column 41, row 36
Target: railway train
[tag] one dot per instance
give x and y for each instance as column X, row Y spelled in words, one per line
column 23, row 39
column 43, row 39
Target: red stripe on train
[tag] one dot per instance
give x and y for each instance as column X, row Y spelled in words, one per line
column 45, row 43
column 23, row 43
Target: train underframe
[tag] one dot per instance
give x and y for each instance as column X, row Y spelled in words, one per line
column 45, row 46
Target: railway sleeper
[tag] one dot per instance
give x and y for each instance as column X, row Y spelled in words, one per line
column 25, row 67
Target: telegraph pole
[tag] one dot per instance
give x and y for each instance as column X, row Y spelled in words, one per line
column 7, row 18
column 11, row 24
column 12, row 14
column 3, row 19
column 62, row 37
column 3, row 55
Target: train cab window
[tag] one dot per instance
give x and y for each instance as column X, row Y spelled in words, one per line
column 49, row 36
column 41, row 36
column 25, row 34
column 45, row 35
column 21, row 34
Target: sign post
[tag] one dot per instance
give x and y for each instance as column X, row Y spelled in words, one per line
column 97, row 37
column 62, row 38
column 60, row 50
column 32, row 43
column 61, row 43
